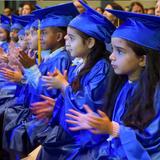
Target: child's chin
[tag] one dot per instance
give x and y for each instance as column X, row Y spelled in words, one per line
column 72, row 54
column 116, row 71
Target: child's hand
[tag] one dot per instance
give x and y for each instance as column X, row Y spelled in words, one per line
column 97, row 124
column 26, row 60
column 4, row 58
column 100, row 125
column 44, row 109
column 55, row 80
column 1, row 51
column 79, row 119
column 14, row 76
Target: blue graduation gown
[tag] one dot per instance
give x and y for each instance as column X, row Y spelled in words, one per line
column 64, row 144
column 24, row 120
column 133, row 144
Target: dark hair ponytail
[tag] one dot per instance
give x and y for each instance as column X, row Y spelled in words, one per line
column 114, row 85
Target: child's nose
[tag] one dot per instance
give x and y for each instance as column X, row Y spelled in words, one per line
column 112, row 57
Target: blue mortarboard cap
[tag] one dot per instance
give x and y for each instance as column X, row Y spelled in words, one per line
column 141, row 29
column 93, row 24
column 56, row 16
column 18, row 23
column 35, row 24
column 21, row 32
column 29, row 19
column 28, row 26
column 16, row 26
column 5, row 22
column 5, row 19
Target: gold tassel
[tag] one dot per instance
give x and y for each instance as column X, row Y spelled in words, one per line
column 118, row 22
column 39, row 42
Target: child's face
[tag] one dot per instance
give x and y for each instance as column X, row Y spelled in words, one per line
column 137, row 9
column 27, row 35
column 124, row 60
column 22, row 42
column 26, row 9
column 14, row 35
column 48, row 38
column 33, row 39
column 157, row 9
column 3, row 35
column 107, row 14
column 75, row 44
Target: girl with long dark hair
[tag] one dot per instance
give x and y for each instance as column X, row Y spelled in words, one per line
column 134, row 123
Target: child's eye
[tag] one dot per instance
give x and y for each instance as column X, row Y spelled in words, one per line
column 120, row 52
column 71, row 38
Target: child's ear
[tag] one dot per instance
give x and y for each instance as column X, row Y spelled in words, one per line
column 91, row 42
column 60, row 36
column 142, row 62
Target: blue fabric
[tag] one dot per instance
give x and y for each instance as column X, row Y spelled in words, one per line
column 138, row 28
column 16, row 131
column 21, row 32
column 18, row 23
column 133, row 144
column 62, row 143
column 5, row 22
column 94, row 24
column 5, row 19
column 61, row 61
column 5, row 26
column 56, row 16
column 16, row 26
column 55, row 21
column 35, row 24
column 66, row 9
column 25, row 20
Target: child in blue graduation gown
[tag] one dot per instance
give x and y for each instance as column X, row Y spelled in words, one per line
column 17, row 25
column 86, row 84
column 10, row 72
column 135, row 123
column 53, row 31
column 5, row 30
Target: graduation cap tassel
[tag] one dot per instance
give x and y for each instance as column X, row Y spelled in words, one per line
column 118, row 22
column 39, row 43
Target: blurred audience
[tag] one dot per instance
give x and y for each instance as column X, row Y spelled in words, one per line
column 151, row 11
column 111, row 17
column 7, row 12
column 100, row 10
column 78, row 5
column 136, row 7
column 27, row 8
